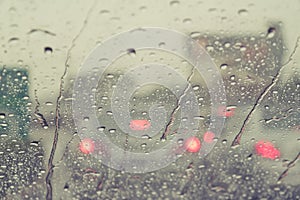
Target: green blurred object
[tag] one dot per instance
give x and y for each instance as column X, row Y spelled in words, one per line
column 14, row 99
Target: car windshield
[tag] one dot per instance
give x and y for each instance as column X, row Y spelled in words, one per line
column 149, row 99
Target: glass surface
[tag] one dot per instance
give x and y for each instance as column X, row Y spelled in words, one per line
column 149, row 99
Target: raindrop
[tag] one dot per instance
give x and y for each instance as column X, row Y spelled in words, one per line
column 104, row 12
column 101, row 128
column 66, row 187
column 13, row 40
column 238, row 60
column 2, row 175
column 112, row 130
column 187, row 21
column 4, row 124
column 2, row 115
column 233, row 83
column 184, row 119
column 195, row 34
column 162, row 44
column 146, row 137
column 243, row 48
column 243, row 12
column 199, row 117
column 174, row 3
column 209, row 48
column 131, row 52
column 267, row 107
column 196, row 87
column 34, row 143
column 180, row 142
column 110, row 76
column 109, row 113
column 48, row 103
column 12, row 9
column 271, row 32
column 212, row 10
column 275, row 92
column 224, row 66
column 20, row 62
column 227, row 44
column 48, row 50
column 143, row 8
column 143, row 145
column 201, row 166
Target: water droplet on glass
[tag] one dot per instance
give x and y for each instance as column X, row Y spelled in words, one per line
column 212, row 10
column 196, row 87
column 174, row 3
column 233, row 83
column 112, row 130
column 209, row 48
column 224, row 66
column 271, row 32
column 227, row 44
column 48, row 50
column 110, row 76
column 4, row 124
column 199, row 117
column 161, row 44
column 267, row 107
column 243, row 12
column 2, row 175
column 275, row 92
column 34, row 143
column 101, row 128
column 2, row 115
column 143, row 145
column 180, row 142
column 187, row 21
column 13, row 40
column 131, row 52
column 104, row 12
column 48, row 103
column 20, row 62
column 238, row 60
column 243, row 48
column 195, row 34
column 12, row 9
column 143, row 8
column 146, row 137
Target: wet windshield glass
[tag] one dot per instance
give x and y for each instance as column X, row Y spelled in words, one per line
column 149, row 100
